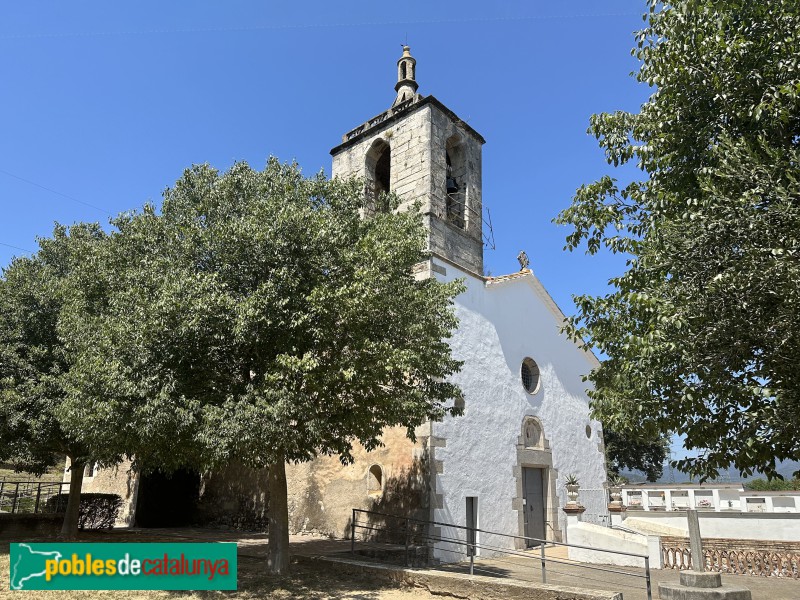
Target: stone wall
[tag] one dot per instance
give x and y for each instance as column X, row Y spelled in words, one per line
column 409, row 142
column 323, row 492
column 120, row 479
column 23, row 527
column 236, row 496
column 463, row 246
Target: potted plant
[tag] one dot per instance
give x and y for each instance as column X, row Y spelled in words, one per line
column 572, row 488
column 615, row 483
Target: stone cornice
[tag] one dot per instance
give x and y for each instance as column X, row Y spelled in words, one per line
column 396, row 113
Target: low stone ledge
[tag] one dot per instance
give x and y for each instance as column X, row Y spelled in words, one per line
column 21, row 526
column 458, row 585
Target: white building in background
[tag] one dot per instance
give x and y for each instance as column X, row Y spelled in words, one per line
column 726, row 497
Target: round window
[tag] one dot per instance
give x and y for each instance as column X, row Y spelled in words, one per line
column 588, row 431
column 530, row 375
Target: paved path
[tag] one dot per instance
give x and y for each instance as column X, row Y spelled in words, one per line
column 560, row 571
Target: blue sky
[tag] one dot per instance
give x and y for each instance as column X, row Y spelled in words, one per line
column 103, row 104
column 106, row 103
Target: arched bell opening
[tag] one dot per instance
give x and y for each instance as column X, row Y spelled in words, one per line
column 379, row 175
column 455, row 182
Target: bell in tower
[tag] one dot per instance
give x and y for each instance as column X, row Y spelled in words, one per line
column 420, row 150
column 452, row 186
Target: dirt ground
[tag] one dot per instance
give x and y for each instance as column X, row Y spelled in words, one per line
column 303, row 582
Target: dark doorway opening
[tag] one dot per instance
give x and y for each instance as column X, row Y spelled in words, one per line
column 167, row 500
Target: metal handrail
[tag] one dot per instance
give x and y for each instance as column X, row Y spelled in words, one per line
column 508, row 535
column 30, row 490
column 520, row 553
column 472, row 546
column 625, row 529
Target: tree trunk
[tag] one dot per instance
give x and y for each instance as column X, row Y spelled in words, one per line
column 278, row 556
column 69, row 530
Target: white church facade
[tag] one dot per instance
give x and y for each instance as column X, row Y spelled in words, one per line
column 501, row 465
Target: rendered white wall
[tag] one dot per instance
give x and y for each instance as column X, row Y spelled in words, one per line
column 749, row 526
column 499, row 326
column 604, row 538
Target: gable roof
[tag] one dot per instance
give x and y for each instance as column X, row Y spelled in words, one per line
column 527, row 276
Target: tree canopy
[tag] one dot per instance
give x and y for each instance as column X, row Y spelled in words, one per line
column 36, row 360
column 702, row 331
column 634, row 453
column 259, row 317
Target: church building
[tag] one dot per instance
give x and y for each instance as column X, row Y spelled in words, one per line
column 502, row 465
column 526, row 423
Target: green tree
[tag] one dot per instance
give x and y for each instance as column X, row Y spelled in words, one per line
column 702, row 332
column 624, row 451
column 260, row 318
column 774, row 485
column 35, row 359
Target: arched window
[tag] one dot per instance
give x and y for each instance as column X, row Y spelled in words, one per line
column 379, row 172
column 455, row 182
column 402, row 70
column 375, row 479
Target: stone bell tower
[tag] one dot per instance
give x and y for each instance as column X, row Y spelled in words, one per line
column 423, row 152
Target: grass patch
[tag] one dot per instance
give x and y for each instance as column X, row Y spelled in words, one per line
column 52, row 474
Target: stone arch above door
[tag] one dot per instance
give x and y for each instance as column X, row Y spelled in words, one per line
column 533, row 451
column 533, row 434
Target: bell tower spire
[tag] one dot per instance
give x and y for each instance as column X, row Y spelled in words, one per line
column 406, row 86
column 420, row 150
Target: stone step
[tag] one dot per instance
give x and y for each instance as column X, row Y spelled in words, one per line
column 676, row 591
